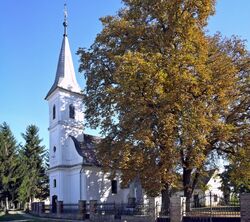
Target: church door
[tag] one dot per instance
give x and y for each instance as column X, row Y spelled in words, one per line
column 54, row 201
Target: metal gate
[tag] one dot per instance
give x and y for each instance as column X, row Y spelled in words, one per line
column 212, row 208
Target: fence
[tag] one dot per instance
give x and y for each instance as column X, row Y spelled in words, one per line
column 124, row 209
column 213, row 206
column 70, row 208
column 202, row 209
column 84, row 210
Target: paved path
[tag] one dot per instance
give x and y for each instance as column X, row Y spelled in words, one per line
column 31, row 217
column 46, row 218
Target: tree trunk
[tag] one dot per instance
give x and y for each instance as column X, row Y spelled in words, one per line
column 6, row 210
column 187, row 186
column 165, row 195
column 7, row 203
column 227, row 196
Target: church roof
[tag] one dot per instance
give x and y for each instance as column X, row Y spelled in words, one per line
column 65, row 74
column 86, row 148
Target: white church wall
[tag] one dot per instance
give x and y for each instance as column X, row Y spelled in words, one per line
column 95, row 185
column 62, row 149
column 54, row 128
column 61, row 186
column 70, row 155
column 54, row 190
column 55, row 148
column 73, row 181
column 67, row 184
column 98, row 187
column 67, row 99
column 54, row 101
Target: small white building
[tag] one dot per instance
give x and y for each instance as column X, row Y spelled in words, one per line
column 211, row 189
column 74, row 172
column 208, row 190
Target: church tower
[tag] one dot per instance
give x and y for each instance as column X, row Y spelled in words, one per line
column 75, row 172
column 65, row 120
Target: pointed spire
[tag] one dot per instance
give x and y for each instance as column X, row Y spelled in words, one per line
column 65, row 74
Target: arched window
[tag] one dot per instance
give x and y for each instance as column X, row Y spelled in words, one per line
column 71, row 111
column 54, row 149
column 54, row 112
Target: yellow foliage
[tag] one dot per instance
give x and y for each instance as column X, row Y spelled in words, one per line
column 164, row 94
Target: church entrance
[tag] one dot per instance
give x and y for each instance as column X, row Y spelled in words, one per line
column 54, row 202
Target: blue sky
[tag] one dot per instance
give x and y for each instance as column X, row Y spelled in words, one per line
column 30, row 39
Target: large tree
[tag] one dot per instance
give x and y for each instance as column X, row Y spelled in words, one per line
column 165, row 95
column 34, row 179
column 9, row 178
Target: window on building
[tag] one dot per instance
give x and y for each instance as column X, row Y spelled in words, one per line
column 54, row 112
column 54, row 149
column 114, row 186
column 215, row 198
column 71, row 111
column 196, row 200
column 54, row 182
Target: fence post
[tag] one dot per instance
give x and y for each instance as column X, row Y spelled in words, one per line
column 41, row 208
column 131, row 202
column 93, row 209
column 59, row 209
column 210, row 197
column 177, row 205
column 36, row 208
column 152, row 208
column 82, row 209
column 32, row 207
column 93, row 206
column 244, row 207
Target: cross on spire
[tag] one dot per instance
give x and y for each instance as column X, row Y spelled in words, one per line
column 65, row 23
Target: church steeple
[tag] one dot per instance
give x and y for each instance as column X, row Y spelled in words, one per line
column 65, row 74
column 65, row 119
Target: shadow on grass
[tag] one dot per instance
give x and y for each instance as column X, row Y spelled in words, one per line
column 11, row 217
column 18, row 218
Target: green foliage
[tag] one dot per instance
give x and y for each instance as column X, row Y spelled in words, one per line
column 22, row 171
column 233, row 181
column 9, row 178
column 35, row 181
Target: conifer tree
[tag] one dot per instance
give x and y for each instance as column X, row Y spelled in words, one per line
column 9, row 177
column 165, row 95
column 35, row 182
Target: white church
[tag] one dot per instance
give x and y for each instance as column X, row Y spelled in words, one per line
column 75, row 173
